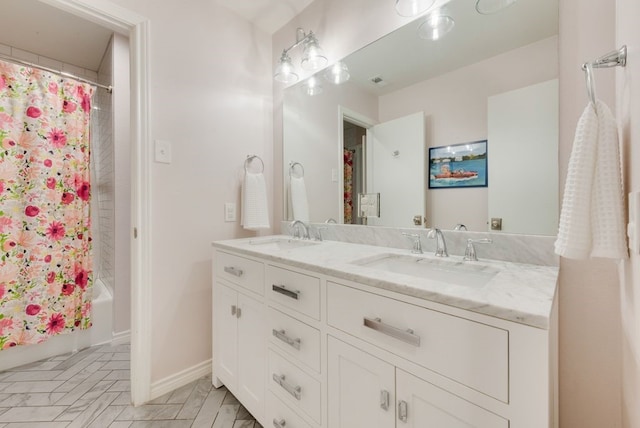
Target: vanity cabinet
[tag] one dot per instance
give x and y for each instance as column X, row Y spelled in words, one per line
column 239, row 348
column 304, row 349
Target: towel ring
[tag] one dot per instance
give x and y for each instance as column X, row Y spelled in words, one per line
column 247, row 162
column 292, row 167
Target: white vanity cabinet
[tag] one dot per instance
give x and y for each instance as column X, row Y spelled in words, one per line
column 239, row 317
column 305, row 349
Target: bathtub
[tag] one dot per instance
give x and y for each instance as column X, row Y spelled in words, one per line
column 100, row 332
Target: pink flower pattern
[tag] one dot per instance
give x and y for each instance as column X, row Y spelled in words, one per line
column 46, row 269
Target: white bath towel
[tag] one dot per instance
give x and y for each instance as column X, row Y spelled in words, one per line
column 299, row 203
column 255, row 208
column 592, row 216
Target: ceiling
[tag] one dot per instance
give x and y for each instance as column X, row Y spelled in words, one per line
column 36, row 27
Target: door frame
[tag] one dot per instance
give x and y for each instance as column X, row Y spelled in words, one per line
column 136, row 27
column 358, row 119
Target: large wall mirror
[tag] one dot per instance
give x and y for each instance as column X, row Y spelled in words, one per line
column 492, row 77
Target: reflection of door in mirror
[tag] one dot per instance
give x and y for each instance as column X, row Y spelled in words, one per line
column 396, row 153
column 353, row 166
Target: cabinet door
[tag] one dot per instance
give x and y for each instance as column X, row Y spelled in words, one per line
column 421, row 404
column 252, row 358
column 361, row 388
column 225, row 328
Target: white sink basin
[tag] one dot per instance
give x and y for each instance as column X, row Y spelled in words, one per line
column 442, row 270
column 281, row 243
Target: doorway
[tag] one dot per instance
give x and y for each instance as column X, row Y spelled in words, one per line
column 354, row 169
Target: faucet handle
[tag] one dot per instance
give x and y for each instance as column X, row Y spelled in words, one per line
column 417, row 244
column 318, row 234
column 470, row 252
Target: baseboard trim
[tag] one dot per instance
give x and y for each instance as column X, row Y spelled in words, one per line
column 121, row 338
column 175, row 381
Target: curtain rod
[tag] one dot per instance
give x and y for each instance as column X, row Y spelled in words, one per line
column 109, row 88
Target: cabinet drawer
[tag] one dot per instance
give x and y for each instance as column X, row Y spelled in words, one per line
column 240, row 271
column 474, row 354
column 294, row 290
column 294, row 386
column 294, row 337
column 280, row 415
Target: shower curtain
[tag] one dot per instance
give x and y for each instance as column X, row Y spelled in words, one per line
column 348, row 185
column 45, row 244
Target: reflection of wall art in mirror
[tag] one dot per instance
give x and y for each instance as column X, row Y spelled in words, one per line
column 458, row 165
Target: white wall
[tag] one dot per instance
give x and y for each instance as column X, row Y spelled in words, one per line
column 455, row 105
column 628, row 101
column 210, row 90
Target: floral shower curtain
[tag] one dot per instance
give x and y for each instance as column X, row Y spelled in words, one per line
column 348, row 185
column 45, row 259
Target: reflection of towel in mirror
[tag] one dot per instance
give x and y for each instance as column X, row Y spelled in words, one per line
column 299, row 203
column 592, row 218
column 255, row 209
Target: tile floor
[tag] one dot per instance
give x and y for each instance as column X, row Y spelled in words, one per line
column 91, row 388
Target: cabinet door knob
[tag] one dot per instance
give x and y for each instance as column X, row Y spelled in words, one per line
column 384, row 400
column 403, row 411
column 238, row 313
column 234, row 309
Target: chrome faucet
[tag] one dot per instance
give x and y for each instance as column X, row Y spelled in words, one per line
column 417, row 244
column 441, row 245
column 470, row 252
column 295, row 232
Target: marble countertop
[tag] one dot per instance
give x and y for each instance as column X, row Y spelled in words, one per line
column 518, row 292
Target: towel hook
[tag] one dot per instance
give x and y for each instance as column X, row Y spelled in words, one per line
column 247, row 162
column 292, row 167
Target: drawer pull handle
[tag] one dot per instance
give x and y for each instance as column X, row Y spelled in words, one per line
column 406, row 336
column 295, row 391
column 384, row 400
column 233, row 271
column 283, row 290
column 403, row 411
column 234, row 310
column 281, row 334
column 279, row 423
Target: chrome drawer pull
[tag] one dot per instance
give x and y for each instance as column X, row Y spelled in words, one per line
column 384, row 400
column 283, row 290
column 281, row 334
column 406, row 336
column 403, row 411
column 296, row 391
column 279, row 423
column 233, row 271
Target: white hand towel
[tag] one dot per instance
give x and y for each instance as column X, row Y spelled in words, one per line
column 255, row 209
column 592, row 220
column 299, row 203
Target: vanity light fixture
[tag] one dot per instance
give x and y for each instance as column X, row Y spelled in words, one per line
column 413, row 7
column 488, row 7
column 312, row 86
column 313, row 57
column 436, row 26
column 338, row 73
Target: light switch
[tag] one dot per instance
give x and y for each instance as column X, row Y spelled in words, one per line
column 163, row 151
column 229, row 211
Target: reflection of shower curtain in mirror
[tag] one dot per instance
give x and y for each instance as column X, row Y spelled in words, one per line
column 348, row 185
column 45, row 262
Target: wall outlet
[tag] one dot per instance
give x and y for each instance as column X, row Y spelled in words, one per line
column 229, row 211
column 496, row 223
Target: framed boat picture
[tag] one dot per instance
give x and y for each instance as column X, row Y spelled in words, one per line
column 458, row 165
